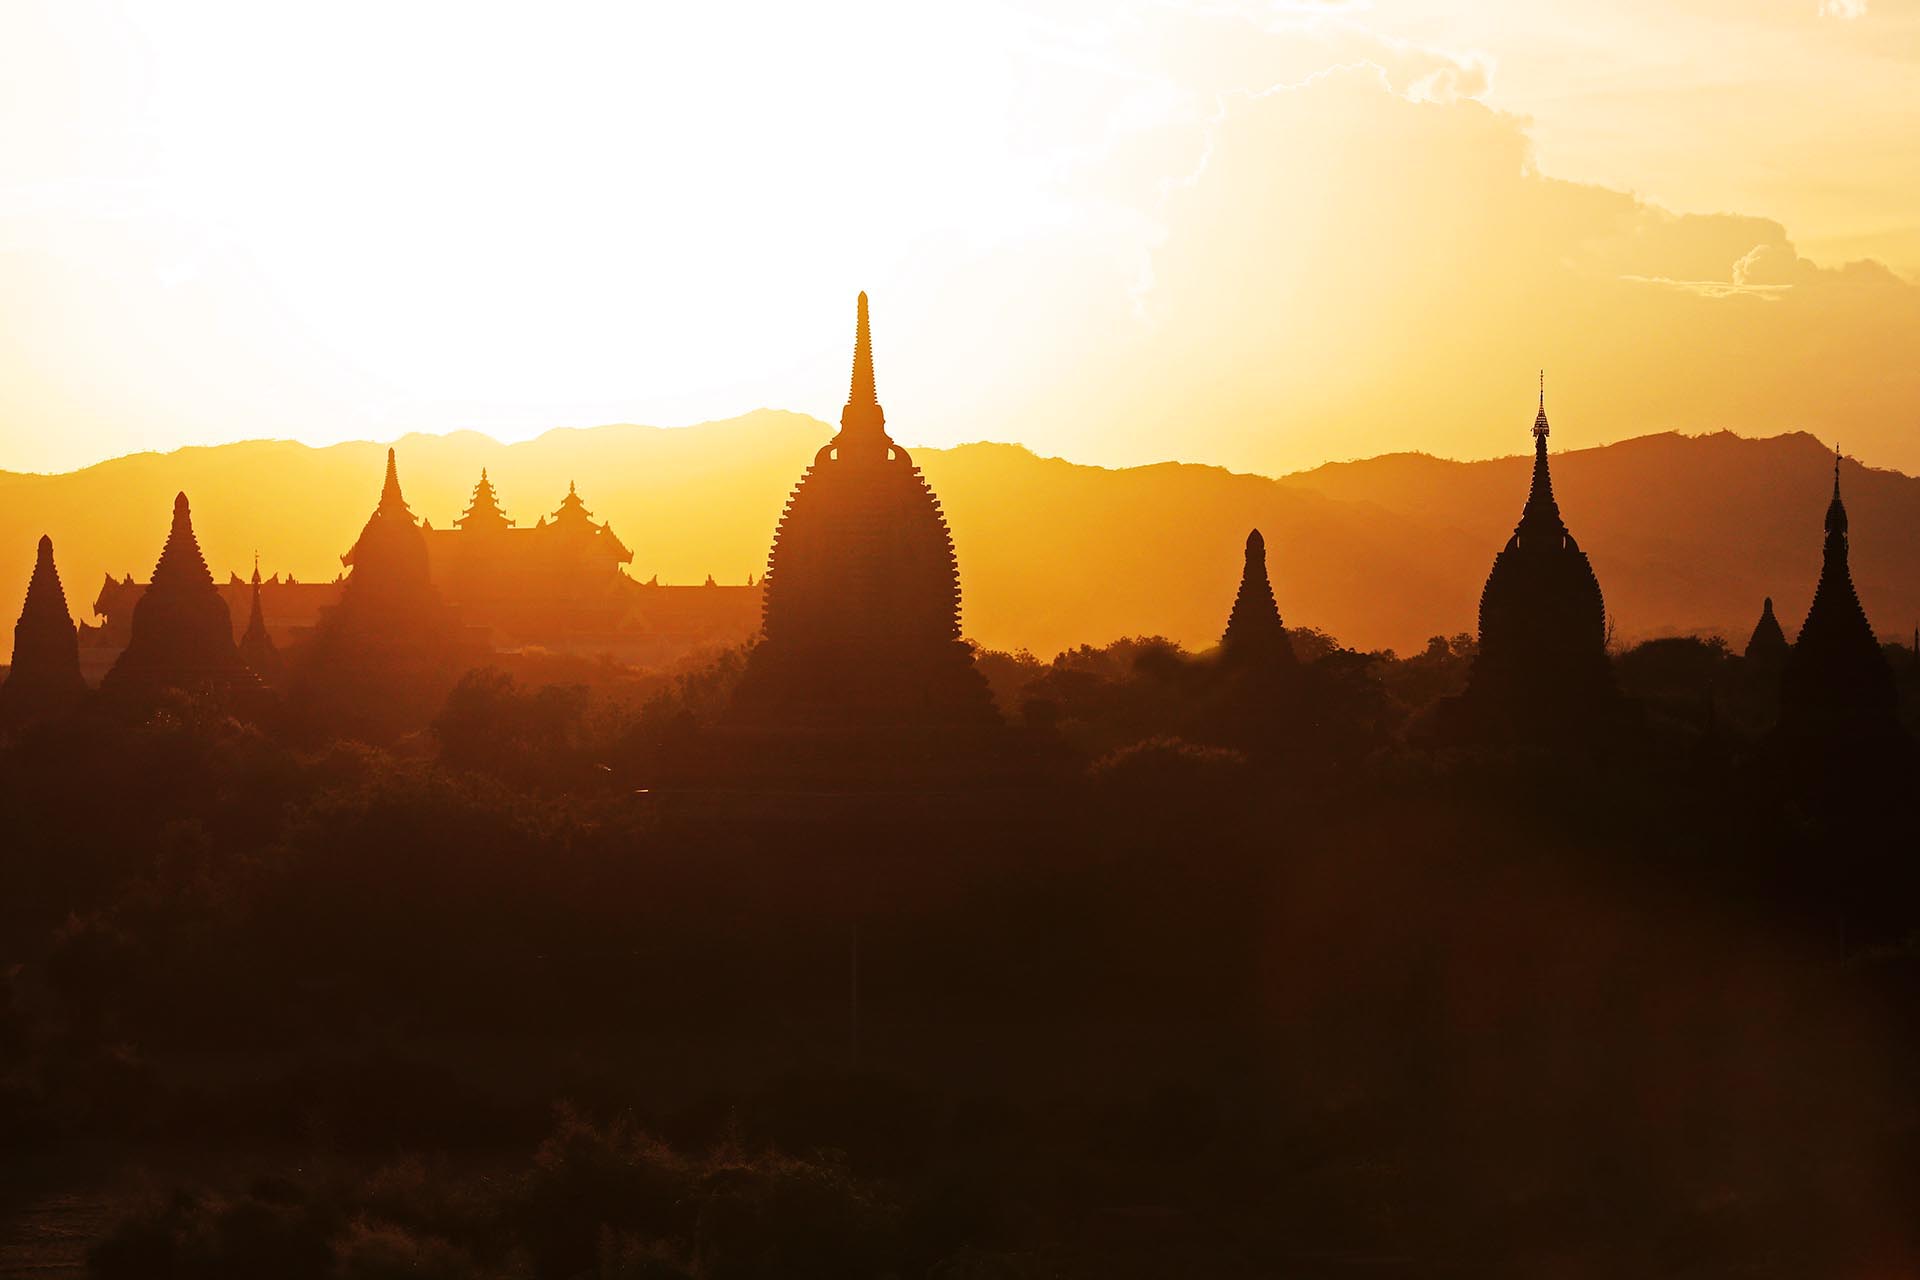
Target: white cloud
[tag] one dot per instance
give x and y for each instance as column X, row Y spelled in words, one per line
column 1843, row 8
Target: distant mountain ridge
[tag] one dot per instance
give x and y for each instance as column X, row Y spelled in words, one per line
column 1687, row 533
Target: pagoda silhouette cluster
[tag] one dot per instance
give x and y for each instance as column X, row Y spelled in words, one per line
column 860, row 635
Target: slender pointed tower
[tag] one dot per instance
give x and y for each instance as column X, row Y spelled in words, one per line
column 1542, row 669
column 861, row 608
column 1255, row 635
column 182, row 635
column 1836, row 681
column 44, row 679
column 257, row 649
column 1767, row 646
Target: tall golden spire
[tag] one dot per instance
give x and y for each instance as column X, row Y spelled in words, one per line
column 391, row 501
column 862, row 422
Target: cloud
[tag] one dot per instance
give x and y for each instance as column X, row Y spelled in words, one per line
column 1353, row 272
column 1843, row 8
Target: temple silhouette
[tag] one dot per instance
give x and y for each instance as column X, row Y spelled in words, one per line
column 560, row 583
column 561, row 575
column 182, row 634
column 44, row 681
column 1836, row 685
column 860, row 625
column 1542, row 672
column 859, row 629
column 1768, row 645
column 1255, row 635
column 257, row 648
column 382, row 658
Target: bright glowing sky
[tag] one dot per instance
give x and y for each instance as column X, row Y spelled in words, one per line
column 1253, row 234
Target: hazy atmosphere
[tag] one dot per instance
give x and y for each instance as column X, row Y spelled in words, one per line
column 1100, row 230
column 1122, row 640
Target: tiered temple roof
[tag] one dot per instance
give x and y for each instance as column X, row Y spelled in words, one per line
column 483, row 514
column 45, row 676
column 861, row 613
column 1836, row 679
column 182, row 636
column 1542, row 667
column 1255, row 634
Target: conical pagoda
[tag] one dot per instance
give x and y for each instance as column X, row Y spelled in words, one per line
column 257, row 649
column 381, row 659
column 182, row 635
column 1767, row 646
column 1542, row 668
column 389, row 559
column 483, row 514
column 1254, row 634
column 44, row 679
column 1836, row 679
column 861, row 608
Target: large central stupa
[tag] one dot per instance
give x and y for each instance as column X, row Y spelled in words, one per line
column 1542, row 671
column 861, row 612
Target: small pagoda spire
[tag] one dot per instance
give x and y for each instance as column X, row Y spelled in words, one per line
column 862, row 422
column 392, row 502
column 181, row 563
column 1836, row 509
column 1768, row 643
column 1542, row 512
column 46, row 598
column 1254, row 632
column 572, row 509
column 257, row 648
column 254, row 620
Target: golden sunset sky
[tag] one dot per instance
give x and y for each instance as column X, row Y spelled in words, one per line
column 1260, row 235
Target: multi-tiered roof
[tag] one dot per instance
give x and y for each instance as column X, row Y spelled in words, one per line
column 1255, row 634
column 182, row 636
column 45, row 676
column 483, row 514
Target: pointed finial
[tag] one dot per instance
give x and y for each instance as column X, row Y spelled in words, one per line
column 1543, row 388
column 862, row 392
column 180, row 503
column 862, row 423
column 45, row 551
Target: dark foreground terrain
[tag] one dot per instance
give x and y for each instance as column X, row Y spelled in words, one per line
column 573, row 984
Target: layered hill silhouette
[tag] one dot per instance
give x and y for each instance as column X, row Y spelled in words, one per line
column 1687, row 534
